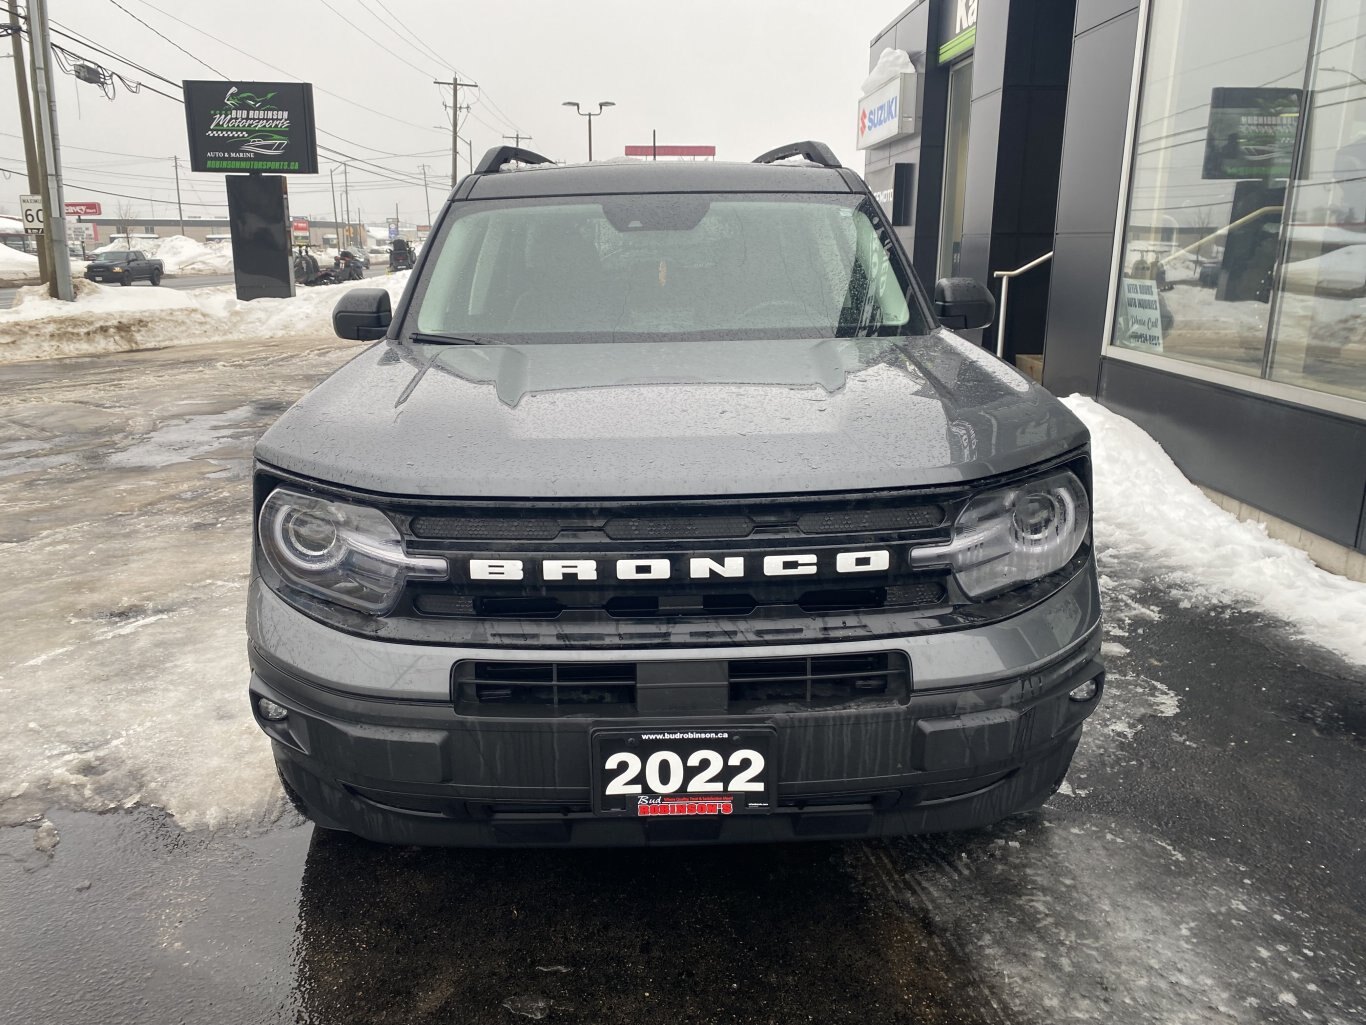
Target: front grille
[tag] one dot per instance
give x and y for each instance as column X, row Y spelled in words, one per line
column 485, row 528
column 698, row 520
column 859, row 521
column 670, row 606
column 669, row 528
column 600, row 689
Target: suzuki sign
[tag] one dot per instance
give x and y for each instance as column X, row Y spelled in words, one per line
column 888, row 111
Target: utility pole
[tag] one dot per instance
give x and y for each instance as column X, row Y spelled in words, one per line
column 517, row 139
column 346, row 203
column 336, row 221
column 35, row 177
column 469, row 148
column 49, row 163
column 180, row 210
column 427, row 195
column 456, row 85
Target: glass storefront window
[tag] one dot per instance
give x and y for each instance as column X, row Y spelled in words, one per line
column 1319, row 340
column 1217, row 122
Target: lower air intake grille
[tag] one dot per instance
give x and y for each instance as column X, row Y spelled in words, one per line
column 820, row 681
column 605, row 689
column 545, row 688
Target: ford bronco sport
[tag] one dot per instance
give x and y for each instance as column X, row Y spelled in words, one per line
column 667, row 508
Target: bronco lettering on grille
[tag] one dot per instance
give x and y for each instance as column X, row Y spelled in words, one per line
column 877, row 560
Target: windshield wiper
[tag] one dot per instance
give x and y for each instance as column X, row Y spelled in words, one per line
column 440, row 339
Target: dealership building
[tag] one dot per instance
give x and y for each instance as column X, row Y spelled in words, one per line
column 1185, row 182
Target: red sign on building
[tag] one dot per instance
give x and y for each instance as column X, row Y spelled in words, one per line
column 82, row 209
column 670, row 151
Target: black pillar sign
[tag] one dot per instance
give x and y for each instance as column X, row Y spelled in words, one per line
column 251, row 126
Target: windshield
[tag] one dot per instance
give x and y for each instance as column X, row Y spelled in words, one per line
column 119, row 257
column 667, row 266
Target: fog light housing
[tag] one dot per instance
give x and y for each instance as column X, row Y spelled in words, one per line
column 270, row 710
column 1086, row 691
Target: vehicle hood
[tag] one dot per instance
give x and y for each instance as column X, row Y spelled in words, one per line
column 654, row 419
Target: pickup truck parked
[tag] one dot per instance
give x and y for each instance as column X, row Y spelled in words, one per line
column 124, row 266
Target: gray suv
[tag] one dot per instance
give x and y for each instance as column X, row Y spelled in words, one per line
column 667, row 508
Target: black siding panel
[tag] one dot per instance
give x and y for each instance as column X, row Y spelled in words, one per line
column 1076, row 312
column 1097, row 115
column 1303, row 465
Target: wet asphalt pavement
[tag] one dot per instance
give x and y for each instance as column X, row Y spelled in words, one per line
column 1203, row 863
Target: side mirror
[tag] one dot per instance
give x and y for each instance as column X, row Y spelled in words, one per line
column 362, row 314
column 963, row 303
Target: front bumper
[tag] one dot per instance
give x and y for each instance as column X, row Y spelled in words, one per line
column 373, row 743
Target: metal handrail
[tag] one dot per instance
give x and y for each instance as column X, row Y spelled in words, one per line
column 1005, row 276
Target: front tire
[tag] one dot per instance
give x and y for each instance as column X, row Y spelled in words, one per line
column 156, row 278
column 125, row 281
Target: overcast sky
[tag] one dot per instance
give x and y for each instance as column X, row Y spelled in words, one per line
column 745, row 75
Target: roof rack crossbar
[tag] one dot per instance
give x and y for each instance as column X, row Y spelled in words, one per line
column 816, row 152
column 500, row 156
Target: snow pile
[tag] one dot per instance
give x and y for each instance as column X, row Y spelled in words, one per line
column 1146, row 510
column 890, row 63
column 18, row 268
column 1342, row 270
column 181, row 255
column 116, row 319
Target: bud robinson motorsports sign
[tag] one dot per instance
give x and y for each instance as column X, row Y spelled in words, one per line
column 251, row 126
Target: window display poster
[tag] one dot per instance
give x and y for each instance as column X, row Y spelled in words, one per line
column 1140, row 325
column 1252, row 133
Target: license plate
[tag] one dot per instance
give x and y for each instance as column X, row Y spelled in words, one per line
column 684, row 771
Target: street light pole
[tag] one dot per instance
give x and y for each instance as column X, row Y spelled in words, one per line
column 590, row 116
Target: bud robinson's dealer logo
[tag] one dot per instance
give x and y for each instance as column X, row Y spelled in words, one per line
column 250, row 123
column 722, row 804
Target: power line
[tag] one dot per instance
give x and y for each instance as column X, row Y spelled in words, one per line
column 387, row 115
column 418, row 40
column 168, row 39
column 376, row 41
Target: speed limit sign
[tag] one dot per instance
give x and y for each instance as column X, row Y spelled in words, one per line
column 31, row 210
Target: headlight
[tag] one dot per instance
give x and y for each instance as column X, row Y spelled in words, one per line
column 348, row 554
column 117, row 270
column 1006, row 538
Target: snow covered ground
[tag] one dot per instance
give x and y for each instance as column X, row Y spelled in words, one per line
column 107, row 318
column 1145, row 509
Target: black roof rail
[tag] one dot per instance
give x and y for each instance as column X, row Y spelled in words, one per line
column 500, row 156
column 816, row 152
